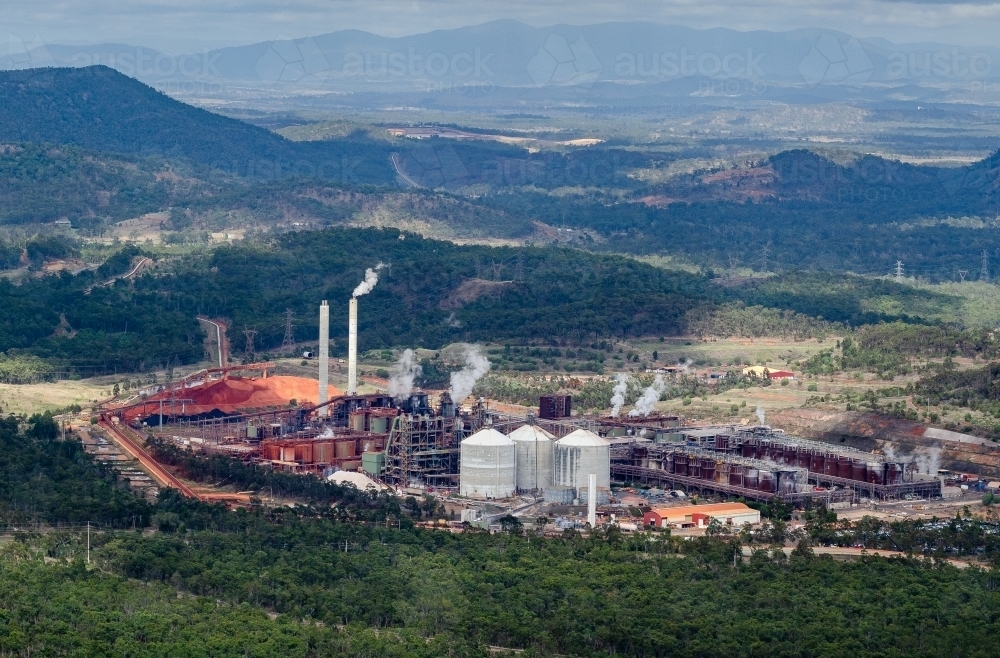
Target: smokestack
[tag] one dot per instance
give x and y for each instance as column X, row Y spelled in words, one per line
column 592, row 501
column 324, row 356
column 352, row 349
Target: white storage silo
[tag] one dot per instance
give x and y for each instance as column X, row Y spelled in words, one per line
column 487, row 463
column 533, row 449
column 577, row 455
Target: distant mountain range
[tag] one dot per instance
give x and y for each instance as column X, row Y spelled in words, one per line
column 616, row 60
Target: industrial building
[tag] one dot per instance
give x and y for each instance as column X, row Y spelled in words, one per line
column 487, row 465
column 534, row 451
column 409, row 441
column 730, row 514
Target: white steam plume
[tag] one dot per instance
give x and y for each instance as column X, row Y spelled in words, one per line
column 644, row 405
column 371, row 278
column 407, row 369
column 760, row 413
column 928, row 460
column 618, row 394
column 464, row 380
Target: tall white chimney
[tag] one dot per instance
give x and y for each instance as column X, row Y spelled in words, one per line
column 324, row 356
column 352, row 349
column 592, row 501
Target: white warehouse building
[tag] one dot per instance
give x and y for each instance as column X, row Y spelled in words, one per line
column 486, row 469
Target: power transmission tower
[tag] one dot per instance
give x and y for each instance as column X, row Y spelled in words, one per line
column 962, row 274
column 249, row 353
column 733, row 263
column 984, row 275
column 497, row 270
column 288, row 344
column 899, row 271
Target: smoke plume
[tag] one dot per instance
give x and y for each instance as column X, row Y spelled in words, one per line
column 644, row 405
column 760, row 413
column 618, row 394
column 371, row 278
column 928, row 460
column 407, row 369
column 464, row 380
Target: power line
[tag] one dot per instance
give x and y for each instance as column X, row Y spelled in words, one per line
column 288, row 344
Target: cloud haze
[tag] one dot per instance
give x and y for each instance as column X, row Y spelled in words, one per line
column 193, row 25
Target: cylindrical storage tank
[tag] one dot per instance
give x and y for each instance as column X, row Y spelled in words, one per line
column 749, row 449
column 816, row 462
column 766, row 482
column 830, row 464
column 875, row 471
column 804, row 457
column 357, row 421
column 378, row 425
column 345, row 449
column 577, row 455
column 764, row 449
column 708, row 469
column 680, row 464
column 533, row 448
column 694, row 467
column 721, row 443
column 304, row 453
column 735, row 475
column 323, row 452
column 288, row 453
column 486, row 469
column 722, row 473
column 786, row 482
column 859, row 470
column 894, row 474
column 751, row 477
column 844, row 467
column 668, row 463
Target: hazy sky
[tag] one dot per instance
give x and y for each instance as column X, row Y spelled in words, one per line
column 189, row 25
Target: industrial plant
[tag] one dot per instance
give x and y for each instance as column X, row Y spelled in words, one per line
column 416, row 441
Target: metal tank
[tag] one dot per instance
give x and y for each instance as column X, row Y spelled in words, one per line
column 859, row 470
column 804, row 457
column 736, row 475
column 580, row 453
column 708, row 469
column 816, row 462
column 766, row 481
column 694, row 467
column 533, row 448
column 751, row 477
column 749, row 449
column 487, row 464
column 680, row 464
column 875, row 471
column 830, row 461
column 844, row 467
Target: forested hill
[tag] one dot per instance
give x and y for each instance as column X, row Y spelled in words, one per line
column 102, row 110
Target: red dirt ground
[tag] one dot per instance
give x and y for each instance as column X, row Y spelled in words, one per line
column 236, row 394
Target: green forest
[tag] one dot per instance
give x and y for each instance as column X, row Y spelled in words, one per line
column 348, row 573
column 430, row 293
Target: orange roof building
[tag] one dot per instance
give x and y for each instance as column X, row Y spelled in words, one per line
column 699, row 516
